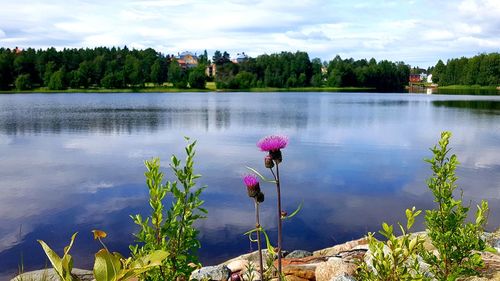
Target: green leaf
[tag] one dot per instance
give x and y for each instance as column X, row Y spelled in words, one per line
column 54, row 259
column 294, row 212
column 106, row 266
column 63, row 266
column 66, row 249
column 260, row 175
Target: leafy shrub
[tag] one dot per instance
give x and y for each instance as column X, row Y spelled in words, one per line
column 455, row 240
column 172, row 231
column 458, row 243
column 397, row 258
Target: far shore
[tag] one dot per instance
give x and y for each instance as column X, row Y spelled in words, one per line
column 209, row 88
column 212, row 88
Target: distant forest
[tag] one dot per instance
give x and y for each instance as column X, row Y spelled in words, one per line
column 483, row 69
column 121, row 68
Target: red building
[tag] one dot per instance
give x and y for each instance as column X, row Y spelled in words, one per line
column 415, row 78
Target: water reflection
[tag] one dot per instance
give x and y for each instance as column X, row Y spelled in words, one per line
column 74, row 163
column 485, row 106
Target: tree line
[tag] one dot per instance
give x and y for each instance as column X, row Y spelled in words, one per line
column 289, row 70
column 112, row 68
column 119, row 68
column 483, row 69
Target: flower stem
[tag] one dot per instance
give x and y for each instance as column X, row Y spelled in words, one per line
column 257, row 225
column 280, row 231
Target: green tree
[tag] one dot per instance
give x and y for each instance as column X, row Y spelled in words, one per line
column 113, row 80
column 197, row 78
column 57, row 80
column 203, row 59
column 177, row 75
column 6, row 69
column 132, row 71
column 158, row 73
column 25, row 63
column 23, row 82
column 85, row 73
column 245, row 80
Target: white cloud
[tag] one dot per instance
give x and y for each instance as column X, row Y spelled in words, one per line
column 384, row 30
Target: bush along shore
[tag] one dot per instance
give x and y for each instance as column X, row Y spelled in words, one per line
column 451, row 247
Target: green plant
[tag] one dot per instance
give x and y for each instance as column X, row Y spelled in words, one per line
column 456, row 241
column 172, row 231
column 250, row 274
column 114, row 267
column 395, row 259
column 64, row 265
column 107, row 266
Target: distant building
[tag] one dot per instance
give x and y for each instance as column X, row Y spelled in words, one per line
column 423, row 77
column 240, row 58
column 415, row 78
column 187, row 60
column 211, row 70
column 429, row 78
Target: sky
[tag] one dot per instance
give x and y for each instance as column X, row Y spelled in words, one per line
column 418, row 32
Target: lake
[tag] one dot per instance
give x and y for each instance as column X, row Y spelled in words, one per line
column 74, row 162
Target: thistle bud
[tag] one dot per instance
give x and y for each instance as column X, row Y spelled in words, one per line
column 253, row 190
column 253, row 186
column 276, row 155
column 260, row 197
column 268, row 162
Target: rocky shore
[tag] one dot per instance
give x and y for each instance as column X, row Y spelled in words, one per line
column 336, row 263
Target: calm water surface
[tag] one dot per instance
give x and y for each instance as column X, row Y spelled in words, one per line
column 74, row 162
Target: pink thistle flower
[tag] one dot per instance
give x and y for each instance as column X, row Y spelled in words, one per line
column 273, row 143
column 250, row 180
column 252, row 183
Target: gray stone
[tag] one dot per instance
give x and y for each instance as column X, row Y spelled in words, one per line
column 214, row 273
column 297, row 254
column 496, row 244
column 51, row 275
column 344, row 278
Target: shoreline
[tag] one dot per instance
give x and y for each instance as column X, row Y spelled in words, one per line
column 189, row 90
column 337, row 262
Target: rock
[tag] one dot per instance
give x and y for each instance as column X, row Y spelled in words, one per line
column 304, row 271
column 300, row 267
column 51, row 275
column 332, row 251
column 214, row 273
column 294, row 278
column 300, row 261
column 250, row 257
column 333, row 268
column 491, row 268
column 344, row 278
column 239, row 265
column 298, row 254
column 235, row 277
column 352, row 255
column 496, row 244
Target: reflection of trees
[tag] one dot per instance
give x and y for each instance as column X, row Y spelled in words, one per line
column 486, row 106
column 102, row 120
column 134, row 119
